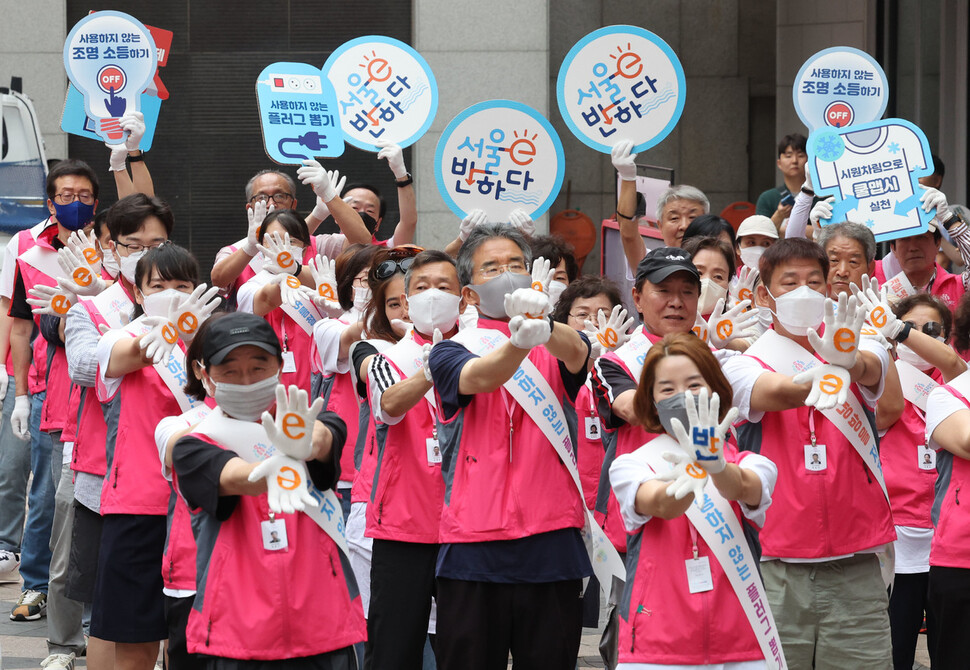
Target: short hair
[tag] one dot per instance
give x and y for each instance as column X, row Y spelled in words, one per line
column 697, row 244
column 290, row 183
column 710, row 225
column 67, row 168
column 587, row 286
column 679, row 344
column 555, row 250
column 348, row 265
column 796, row 141
column 171, row 261
column 478, row 237
column 792, row 248
column 373, row 189
column 294, row 226
column 426, row 258
column 100, row 222
column 939, row 168
column 682, row 192
column 911, row 302
column 375, row 316
column 127, row 216
column 849, row 230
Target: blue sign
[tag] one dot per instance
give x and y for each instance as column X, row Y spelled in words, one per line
column 298, row 113
column 839, row 87
column 873, row 169
column 76, row 122
column 110, row 58
column 621, row 83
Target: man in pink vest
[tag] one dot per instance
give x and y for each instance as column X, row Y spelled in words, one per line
column 830, row 515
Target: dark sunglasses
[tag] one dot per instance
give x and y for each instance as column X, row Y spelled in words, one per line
column 389, row 268
column 931, row 328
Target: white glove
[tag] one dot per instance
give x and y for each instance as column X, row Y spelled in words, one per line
column 160, row 340
column 830, row 386
column 85, row 247
column 20, row 418
column 610, row 333
column 529, row 333
column 476, row 217
column 704, row 437
column 839, row 344
column 623, row 160
column 807, row 184
column 685, row 477
column 522, row 221
column 324, row 272
column 198, row 307
column 313, row 174
column 119, row 157
column 4, row 380
column 292, row 291
column 134, row 123
column 286, row 483
column 735, row 323
column 742, row 288
column 81, row 279
column 278, row 254
column 395, row 158
column 291, row 431
column 542, row 274
column 876, row 305
column 55, row 301
column 320, row 210
column 822, row 210
column 425, row 354
column 527, row 302
column 256, row 213
column 933, row 198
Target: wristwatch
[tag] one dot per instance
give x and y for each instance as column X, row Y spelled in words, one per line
column 407, row 181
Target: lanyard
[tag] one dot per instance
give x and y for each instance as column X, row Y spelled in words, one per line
column 286, row 340
column 509, row 407
column 693, row 538
column 811, row 426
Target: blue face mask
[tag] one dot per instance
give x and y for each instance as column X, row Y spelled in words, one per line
column 74, row 216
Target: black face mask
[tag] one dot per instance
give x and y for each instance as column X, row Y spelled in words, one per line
column 369, row 222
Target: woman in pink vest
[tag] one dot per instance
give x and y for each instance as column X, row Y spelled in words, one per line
column 679, row 607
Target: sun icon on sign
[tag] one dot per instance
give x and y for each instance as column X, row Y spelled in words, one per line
column 378, row 69
column 629, row 65
column 523, row 149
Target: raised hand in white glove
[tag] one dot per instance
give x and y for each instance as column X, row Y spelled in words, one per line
column 195, row 309
column 829, row 386
column 321, row 211
column 737, row 322
column 875, row 303
column 529, row 333
column 256, row 213
column 476, row 217
column 395, row 158
column 822, row 210
column 933, row 198
column 527, row 302
column 20, row 418
column 84, row 246
column 286, row 483
column 839, row 344
column 425, row 354
column 160, row 340
column 807, row 184
column 742, row 288
column 324, row 272
column 685, row 477
column 542, row 274
column 609, row 333
column 623, row 160
column 55, row 301
column 313, row 174
column 4, row 380
column 292, row 291
column 134, row 123
column 519, row 219
column 291, row 430
column 704, row 437
column 81, row 279
column 118, row 160
column 279, row 256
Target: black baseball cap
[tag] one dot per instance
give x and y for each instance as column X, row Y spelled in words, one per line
column 663, row 262
column 235, row 330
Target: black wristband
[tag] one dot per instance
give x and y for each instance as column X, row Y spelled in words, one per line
column 808, row 191
column 136, row 159
column 407, row 181
column 624, row 216
column 903, row 334
column 952, row 221
column 299, row 268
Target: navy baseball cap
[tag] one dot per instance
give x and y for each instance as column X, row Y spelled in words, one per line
column 663, row 262
column 236, row 330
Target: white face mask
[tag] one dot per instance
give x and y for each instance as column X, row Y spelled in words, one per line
column 246, row 402
column 162, row 302
column 907, row 355
column 710, row 294
column 555, row 290
column 433, row 308
column 751, row 255
column 799, row 310
column 361, row 297
column 128, row 264
column 110, row 264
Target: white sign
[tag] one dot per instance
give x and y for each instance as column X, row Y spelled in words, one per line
column 840, row 87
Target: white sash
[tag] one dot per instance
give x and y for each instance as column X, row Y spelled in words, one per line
column 917, row 385
column 900, row 287
column 43, row 260
column 742, row 569
column 528, row 388
column 961, row 384
column 634, row 352
column 408, row 356
column 304, row 313
column 789, row 358
column 173, row 371
column 114, row 305
column 249, row 441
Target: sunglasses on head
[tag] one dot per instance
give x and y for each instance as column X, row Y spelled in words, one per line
column 389, row 268
column 931, row 328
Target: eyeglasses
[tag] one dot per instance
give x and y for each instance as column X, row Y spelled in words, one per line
column 931, row 328
column 515, row 267
column 389, row 268
column 586, row 316
column 66, row 198
column 278, row 198
column 136, row 248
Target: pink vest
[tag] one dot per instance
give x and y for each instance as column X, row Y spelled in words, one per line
column 951, row 540
column 589, row 451
column 35, row 378
column 947, row 286
column 364, row 477
column 69, row 433
column 343, row 400
column 58, row 381
column 178, row 560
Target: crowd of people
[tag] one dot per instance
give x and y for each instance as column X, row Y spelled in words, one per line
column 349, row 452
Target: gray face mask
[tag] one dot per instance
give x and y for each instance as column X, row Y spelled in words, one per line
column 492, row 293
column 674, row 407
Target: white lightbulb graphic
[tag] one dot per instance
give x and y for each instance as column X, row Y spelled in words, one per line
column 110, row 58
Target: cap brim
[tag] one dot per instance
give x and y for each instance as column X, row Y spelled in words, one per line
column 221, row 354
column 658, row 276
